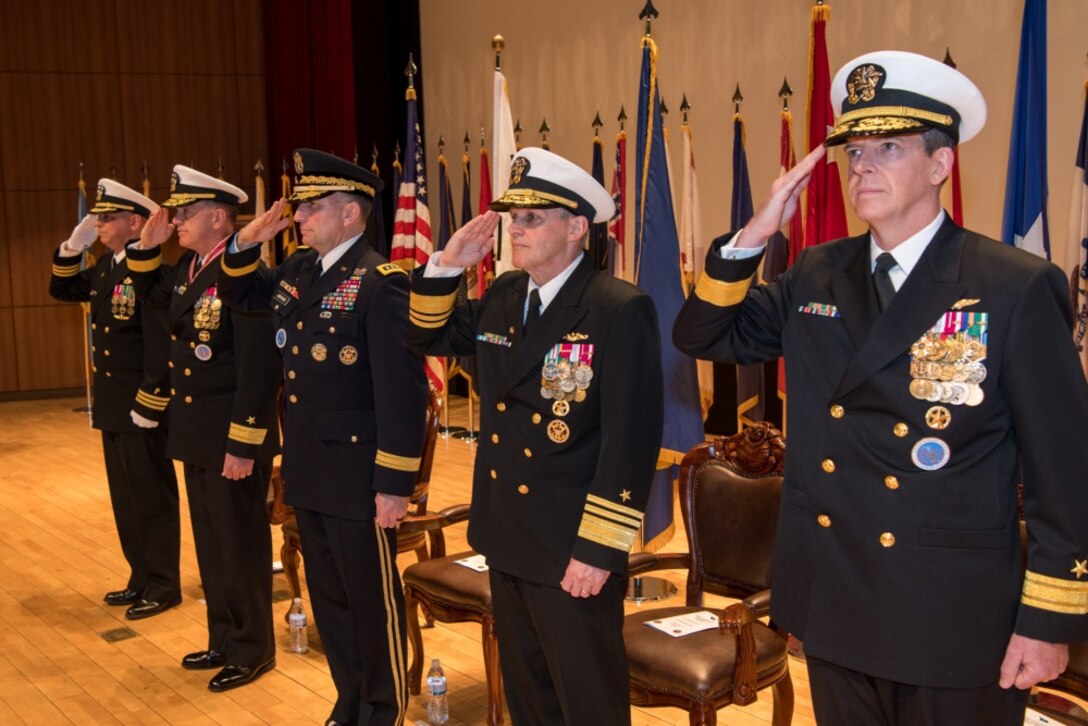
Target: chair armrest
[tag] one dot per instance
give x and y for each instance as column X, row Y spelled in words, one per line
column 738, row 619
column 759, row 603
column 433, row 521
column 643, row 562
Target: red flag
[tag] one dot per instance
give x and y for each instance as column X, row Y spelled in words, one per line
column 485, row 271
column 787, row 159
column 617, row 227
column 957, row 193
column 825, row 213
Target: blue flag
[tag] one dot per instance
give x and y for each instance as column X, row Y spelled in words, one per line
column 657, row 271
column 1025, row 222
column 750, row 404
column 447, row 219
column 1078, row 238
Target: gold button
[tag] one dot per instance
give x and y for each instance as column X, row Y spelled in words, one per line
column 887, row 539
column 105, row 352
column 291, row 375
column 824, row 520
column 354, row 439
column 188, row 399
column 528, row 454
column 173, row 391
column 171, row 364
column 891, row 482
column 94, row 349
column 173, row 337
column 494, row 474
column 107, row 329
column 94, row 326
column 109, row 375
column 501, row 406
column 188, row 372
column 293, row 398
column 523, row 489
column 192, row 344
column 901, row 429
column 294, row 350
column 299, row 326
column 94, row 368
column 837, row 411
column 536, row 418
column 828, row 465
column 332, row 328
column 494, row 438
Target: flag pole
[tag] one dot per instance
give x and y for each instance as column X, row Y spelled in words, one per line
column 85, row 307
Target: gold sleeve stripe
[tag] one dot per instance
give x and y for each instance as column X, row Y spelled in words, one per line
column 399, row 463
column 618, row 508
column 722, row 294
column 427, row 322
column 618, row 519
column 1055, row 594
column 65, row 270
column 157, row 403
column 606, row 533
column 247, row 434
column 240, row 271
column 431, row 304
column 144, row 265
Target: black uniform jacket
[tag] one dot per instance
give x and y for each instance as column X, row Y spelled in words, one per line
column 355, row 398
column 881, row 565
column 224, row 378
column 554, row 480
column 128, row 341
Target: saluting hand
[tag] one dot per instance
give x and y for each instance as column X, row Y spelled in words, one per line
column 264, row 227
column 582, row 580
column 781, row 204
column 390, row 509
column 157, row 230
column 472, row 242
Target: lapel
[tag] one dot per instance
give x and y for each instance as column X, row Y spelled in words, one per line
column 932, row 286
column 854, row 294
column 109, row 278
column 325, row 284
column 561, row 315
column 180, row 303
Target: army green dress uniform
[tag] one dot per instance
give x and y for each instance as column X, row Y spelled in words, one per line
column 223, row 381
column 571, row 417
column 898, row 551
column 354, row 422
column 129, row 350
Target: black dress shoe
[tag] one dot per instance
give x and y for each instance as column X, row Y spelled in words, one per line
column 203, row 660
column 233, row 676
column 122, row 597
column 147, row 608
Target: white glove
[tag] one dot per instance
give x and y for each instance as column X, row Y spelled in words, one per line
column 83, row 236
column 144, row 423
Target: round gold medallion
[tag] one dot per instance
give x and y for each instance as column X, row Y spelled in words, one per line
column 938, row 417
column 204, row 336
column 558, row 431
column 560, row 408
column 348, row 355
column 579, row 395
column 319, row 352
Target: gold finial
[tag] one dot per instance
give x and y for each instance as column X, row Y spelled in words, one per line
column 497, row 44
column 145, row 169
column 597, row 123
column 685, row 107
column 482, row 136
column 467, row 141
column 219, row 167
column 544, row 129
column 441, row 144
column 948, row 58
column 517, row 132
column 396, row 148
column 737, row 98
column 258, row 167
column 664, row 108
column 784, row 93
column 355, row 155
column 374, row 154
column 410, row 71
column 622, row 117
column 649, row 12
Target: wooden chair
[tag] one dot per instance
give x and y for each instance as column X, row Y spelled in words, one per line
column 408, row 540
column 729, row 496
column 450, row 593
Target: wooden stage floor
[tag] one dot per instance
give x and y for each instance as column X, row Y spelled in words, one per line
column 61, row 661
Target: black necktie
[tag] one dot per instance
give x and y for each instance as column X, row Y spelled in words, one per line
column 533, row 313
column 885, row 290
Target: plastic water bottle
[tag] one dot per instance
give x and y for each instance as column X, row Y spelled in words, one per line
column 438, row 709
column 296, row 617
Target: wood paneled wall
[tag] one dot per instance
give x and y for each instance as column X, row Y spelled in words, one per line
column 111, row 84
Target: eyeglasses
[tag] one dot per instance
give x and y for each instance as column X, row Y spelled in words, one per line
column 188, row 212
column 107, row 218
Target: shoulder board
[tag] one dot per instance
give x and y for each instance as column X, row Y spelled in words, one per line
column 389, row 268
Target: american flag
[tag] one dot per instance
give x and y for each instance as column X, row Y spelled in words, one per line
column 412, row 225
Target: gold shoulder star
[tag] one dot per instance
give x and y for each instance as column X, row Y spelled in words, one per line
column 625, row 495
column 251, row 420
column 1080, row 567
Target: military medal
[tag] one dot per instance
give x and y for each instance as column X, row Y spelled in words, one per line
column 947, row 361
column 343, row 297
column 558, row 431
column 560, row 408
column 207, row 311
column 567, row 372
column 319, row 352
column 930, row 454
column 123, row 300
column 938, row 417
column 348, row 355
column 203, row 352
